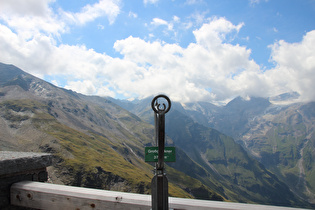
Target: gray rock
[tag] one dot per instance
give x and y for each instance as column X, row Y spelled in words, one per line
column 15, row 162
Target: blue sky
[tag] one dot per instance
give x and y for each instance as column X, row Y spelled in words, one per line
column 193, row 50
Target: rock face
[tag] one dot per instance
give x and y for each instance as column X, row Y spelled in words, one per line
column 15, row 162
column 221, row 162
column 21, row 166
column 97, row 143
column 279, row 135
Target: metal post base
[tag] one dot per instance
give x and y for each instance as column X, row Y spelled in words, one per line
column 159, row 186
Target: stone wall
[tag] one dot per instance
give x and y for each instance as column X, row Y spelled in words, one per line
column 20, row 166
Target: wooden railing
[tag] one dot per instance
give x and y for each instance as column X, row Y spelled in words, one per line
column 57, row 197
column 22, row 177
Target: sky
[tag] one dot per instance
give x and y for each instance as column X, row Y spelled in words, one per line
column 190, row 50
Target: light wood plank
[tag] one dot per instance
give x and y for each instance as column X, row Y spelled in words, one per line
column 58, row 197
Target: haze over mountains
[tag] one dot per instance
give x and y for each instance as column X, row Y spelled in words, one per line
column 281, row 137
column 99, row 142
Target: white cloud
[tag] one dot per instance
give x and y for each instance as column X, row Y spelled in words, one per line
column 30, row 17
column 86, row 87
column 212, row 33
column 158, row 22
column 213, row 63
column 132, row 14
column 295, row 68
column 100, row 26
column 147, row 68
column 176, row 19
column 190, row 72
column 198, row 18
column 108, row 8
column 33, row 17
column 55, row 82
column 22, row 7
column 150, row 1
column 16, row 50
column 254, row 2
column 171, row 29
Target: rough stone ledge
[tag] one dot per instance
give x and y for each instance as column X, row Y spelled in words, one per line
column 16, row 162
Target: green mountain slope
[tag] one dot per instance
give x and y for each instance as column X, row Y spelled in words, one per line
column 98, row 144
column 285, row 143
column 95, row 142
column 280, row 136
column 219, row 162
column 241, row 177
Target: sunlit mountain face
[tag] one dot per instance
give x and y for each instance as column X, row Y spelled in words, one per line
column 99, row 142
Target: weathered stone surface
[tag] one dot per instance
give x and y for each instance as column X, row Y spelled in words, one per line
column 20, row 166
column 15, row 162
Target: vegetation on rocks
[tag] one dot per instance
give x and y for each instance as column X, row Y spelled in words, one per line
column 96, row 143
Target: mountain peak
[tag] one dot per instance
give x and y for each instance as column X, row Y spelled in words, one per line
column 9, row 72
column 252, row 102
column 285, row 98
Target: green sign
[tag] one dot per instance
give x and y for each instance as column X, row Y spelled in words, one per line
column 151, row 154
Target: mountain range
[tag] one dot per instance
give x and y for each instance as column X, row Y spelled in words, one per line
column 247, row 151
column 280, row 136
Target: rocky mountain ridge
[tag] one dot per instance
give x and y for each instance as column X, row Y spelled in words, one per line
column 95, row 142
column 281, row 136
column 98, row 144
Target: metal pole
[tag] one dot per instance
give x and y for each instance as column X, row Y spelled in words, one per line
column 161, row 141
column 159, row 182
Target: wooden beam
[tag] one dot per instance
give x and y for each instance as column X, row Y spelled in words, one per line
column 58, row 197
